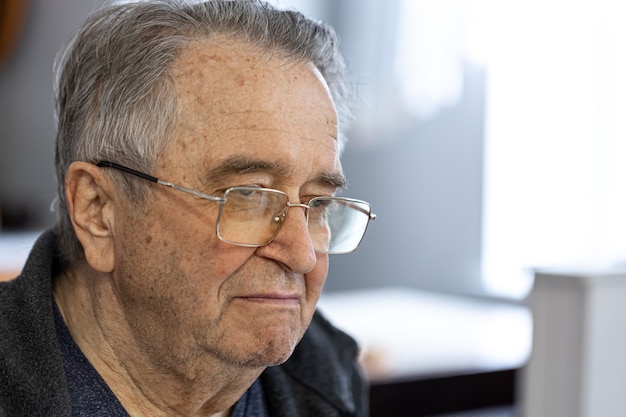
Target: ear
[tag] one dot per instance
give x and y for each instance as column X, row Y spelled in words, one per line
column 91, row 209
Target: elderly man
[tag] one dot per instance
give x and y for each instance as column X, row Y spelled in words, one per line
column 198, row 163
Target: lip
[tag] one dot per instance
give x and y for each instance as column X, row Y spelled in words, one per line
column 272, row 298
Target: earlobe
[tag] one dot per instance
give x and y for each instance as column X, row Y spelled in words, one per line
column 90, row 208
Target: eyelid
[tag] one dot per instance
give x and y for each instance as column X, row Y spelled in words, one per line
column 223, row 189
column 307, row 199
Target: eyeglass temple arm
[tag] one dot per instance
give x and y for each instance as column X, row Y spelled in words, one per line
column 108, row 164
column 371, row 215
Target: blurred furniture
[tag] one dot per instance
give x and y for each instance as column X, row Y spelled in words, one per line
column 12, row 18
column 428, row 353
column 577, row 367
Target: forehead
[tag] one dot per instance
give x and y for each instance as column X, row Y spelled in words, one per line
column 226, row 74
column 235, row 98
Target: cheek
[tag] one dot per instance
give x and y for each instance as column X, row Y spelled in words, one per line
column 181, row 236
column 161, row 256
column 210, row 273
column 315, row 280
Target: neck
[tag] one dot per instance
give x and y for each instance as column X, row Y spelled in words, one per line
column 198, row 385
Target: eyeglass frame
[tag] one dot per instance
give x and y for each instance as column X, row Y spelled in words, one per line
column 222, row 201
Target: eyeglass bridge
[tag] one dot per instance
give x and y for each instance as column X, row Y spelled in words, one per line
column 280, row 216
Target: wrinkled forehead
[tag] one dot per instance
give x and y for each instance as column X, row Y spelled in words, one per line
column 233, row 65
column 232, row 95
column 230, row 77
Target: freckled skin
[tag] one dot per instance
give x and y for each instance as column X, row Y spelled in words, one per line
column 183, row 311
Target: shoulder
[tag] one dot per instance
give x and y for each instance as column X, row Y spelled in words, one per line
column 25, row 299
column 31, row 375
column 321, row 377
column 323, row 341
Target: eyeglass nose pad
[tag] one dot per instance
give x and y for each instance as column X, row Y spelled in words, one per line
column 279, row 217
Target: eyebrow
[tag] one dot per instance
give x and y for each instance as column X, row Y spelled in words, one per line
column 236, row 165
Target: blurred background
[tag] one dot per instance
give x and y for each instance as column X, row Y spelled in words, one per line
column 489, row 135
column 490, row 138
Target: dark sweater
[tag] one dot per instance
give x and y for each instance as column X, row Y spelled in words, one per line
column 319, row 380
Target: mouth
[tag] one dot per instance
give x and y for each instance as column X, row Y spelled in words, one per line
column 282, row 300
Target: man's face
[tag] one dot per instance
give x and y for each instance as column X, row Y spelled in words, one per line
column 244, row 119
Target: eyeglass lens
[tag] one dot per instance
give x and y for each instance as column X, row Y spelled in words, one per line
column 253, row 217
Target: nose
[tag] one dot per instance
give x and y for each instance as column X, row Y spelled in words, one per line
column 292, row 246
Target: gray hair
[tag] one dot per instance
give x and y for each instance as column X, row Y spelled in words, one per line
column 115, row 99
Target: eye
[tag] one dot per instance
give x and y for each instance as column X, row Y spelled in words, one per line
column 242, row 191
column 318, row 203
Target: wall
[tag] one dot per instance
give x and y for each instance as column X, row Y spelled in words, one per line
column 422, row 176
column 27, row 185
column 426, row 188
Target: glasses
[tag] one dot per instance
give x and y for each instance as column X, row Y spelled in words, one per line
column 253, row 216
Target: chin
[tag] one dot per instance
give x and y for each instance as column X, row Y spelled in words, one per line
column 261, row 359
column 269, row 353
